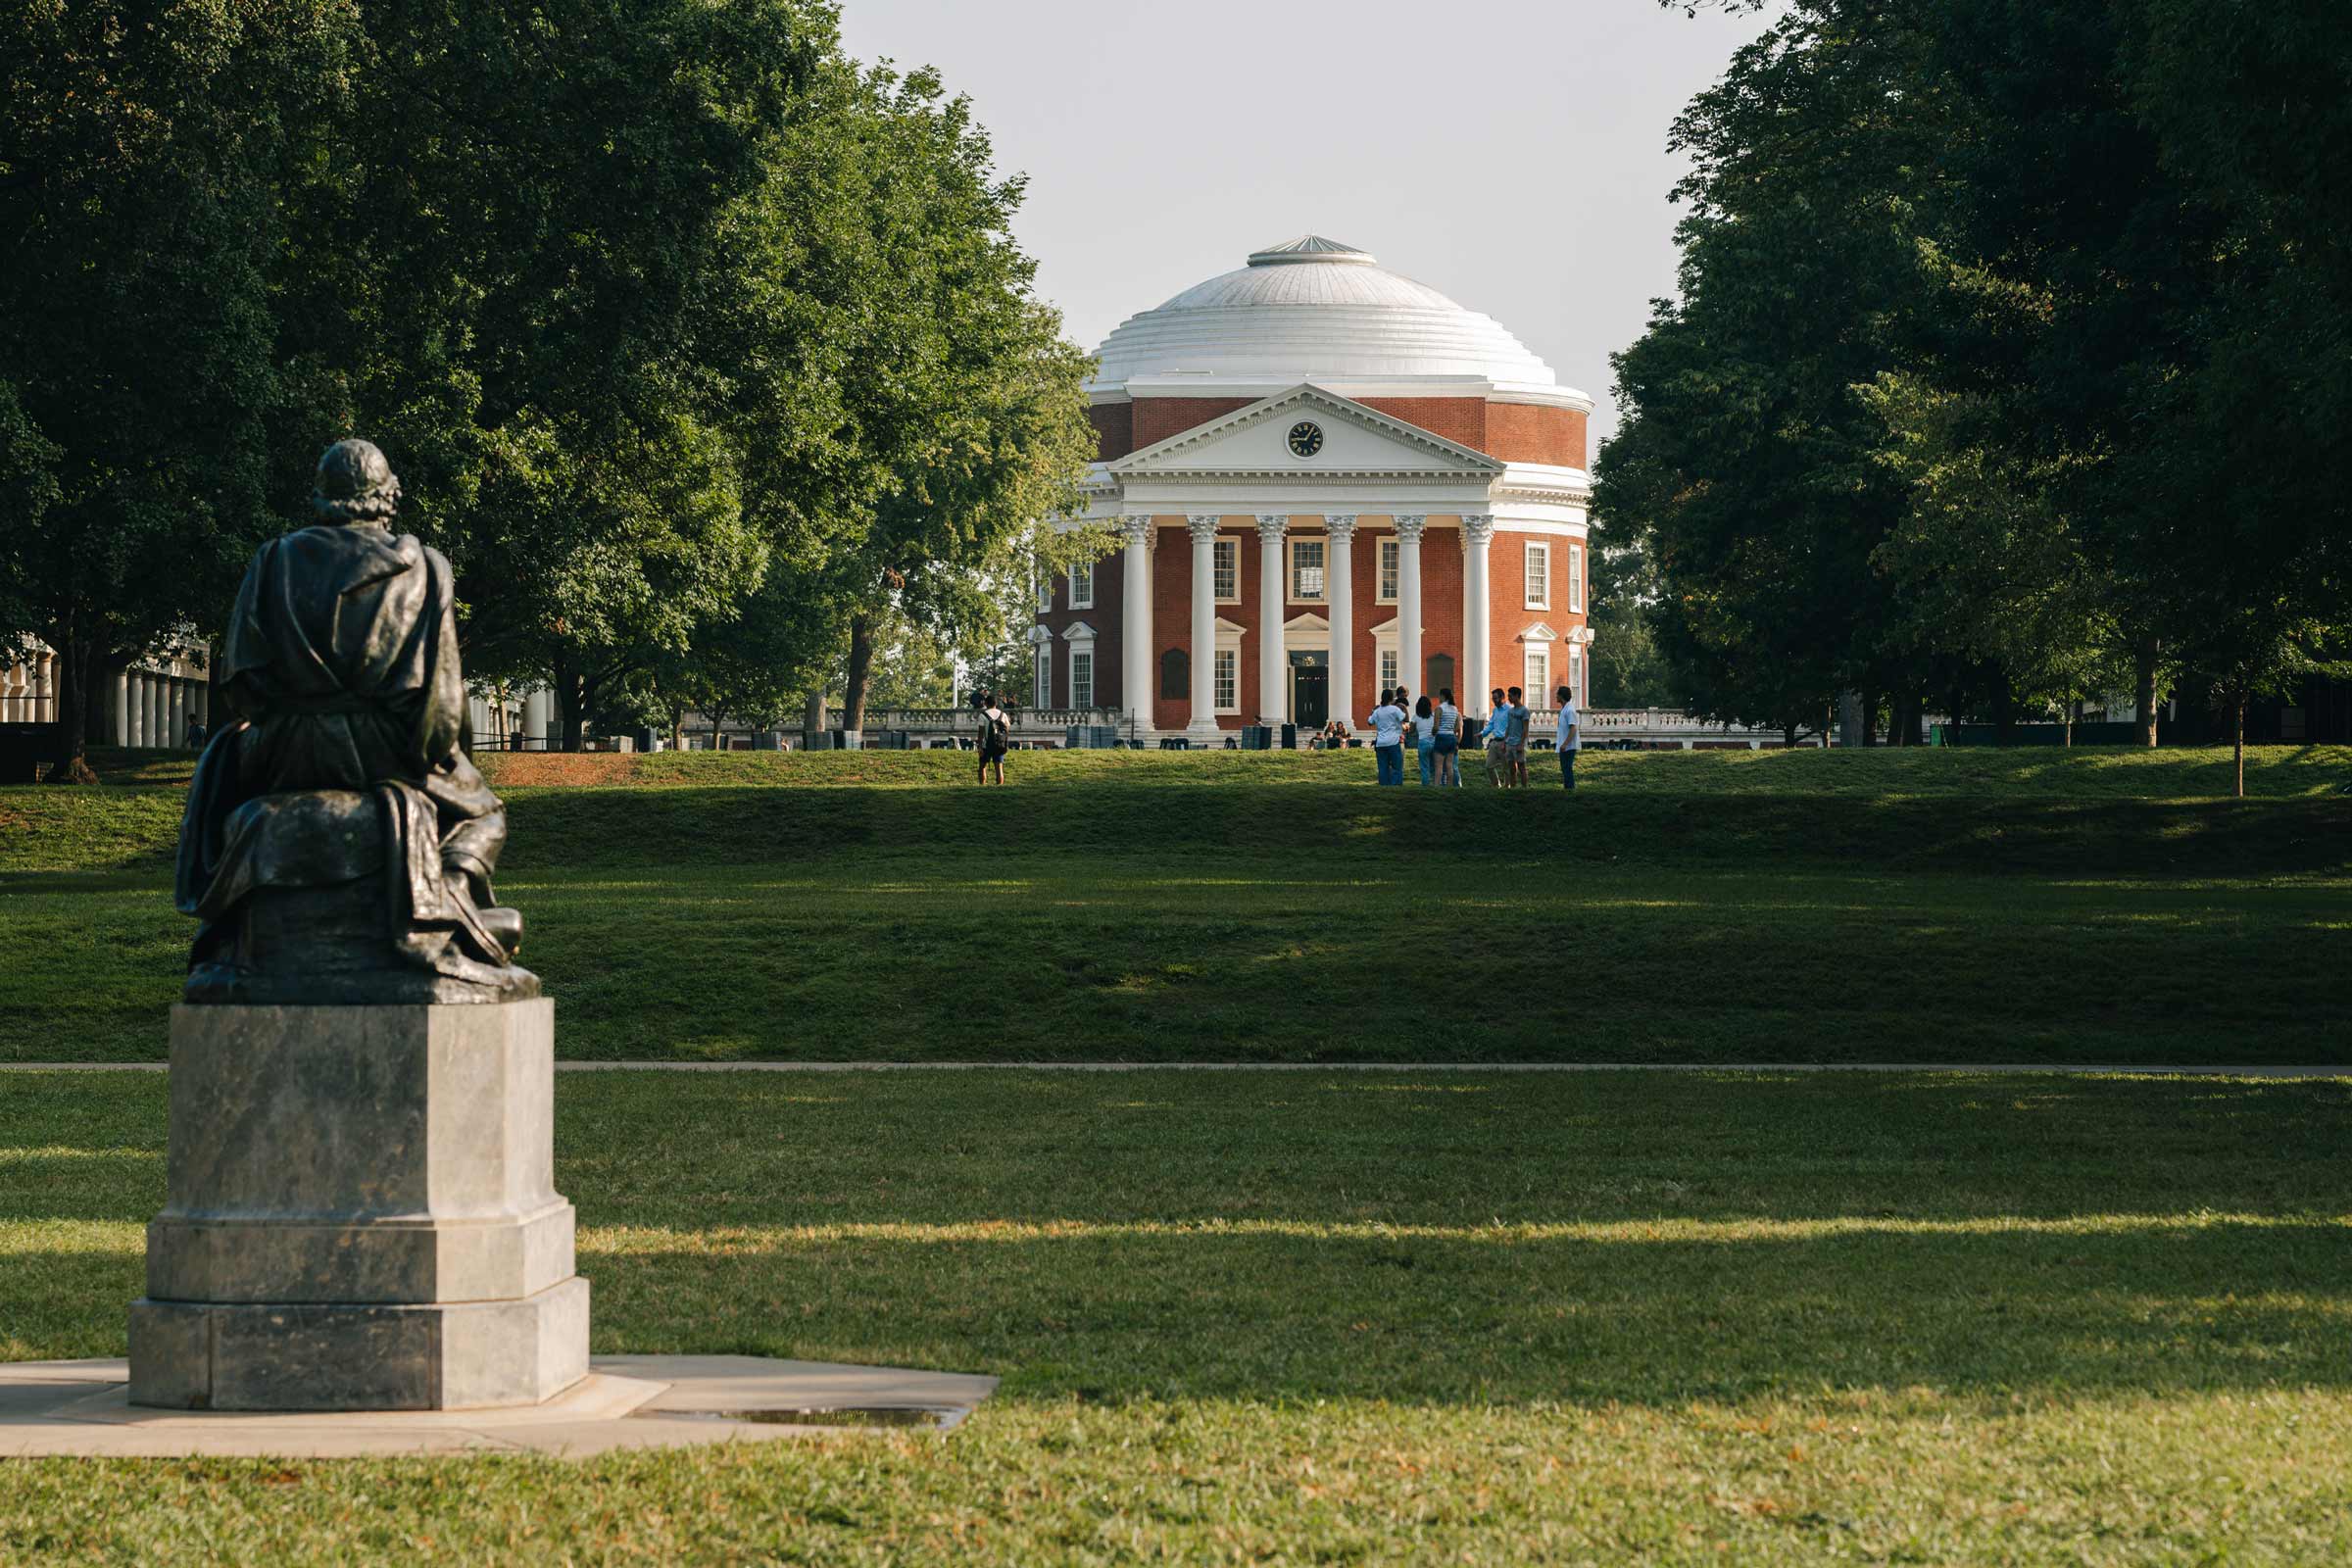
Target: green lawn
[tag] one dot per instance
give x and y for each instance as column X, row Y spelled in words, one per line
column 1157, row 906
column 1308, row 1318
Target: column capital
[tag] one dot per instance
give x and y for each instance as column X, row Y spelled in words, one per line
column 1271, row 525
column 1476, row 527
column 1409, row 524
column 1135, row 528
column 1203, row 525
column 1341, row 526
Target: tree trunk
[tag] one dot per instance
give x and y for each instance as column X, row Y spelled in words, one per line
column 813, row 719
column 718, row 729
column 570, row 691
column 1788, row 737
column 1870, row 716
column 2238, row 705
column 677, row 728
column 861, row 665
column 81, row 680
column 2143, row 694
column 2074, row 716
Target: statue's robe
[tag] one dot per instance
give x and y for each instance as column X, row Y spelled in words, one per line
column 342, row 657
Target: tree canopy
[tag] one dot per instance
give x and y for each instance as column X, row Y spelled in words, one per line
column 696, row 344
column 2003, row 369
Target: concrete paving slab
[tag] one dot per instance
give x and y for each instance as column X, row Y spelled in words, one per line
column 82, row 1408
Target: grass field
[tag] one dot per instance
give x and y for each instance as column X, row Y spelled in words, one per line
column 1715, row 906
column 1307, row 1318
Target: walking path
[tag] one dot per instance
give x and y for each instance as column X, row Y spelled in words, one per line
column 2198, row 1069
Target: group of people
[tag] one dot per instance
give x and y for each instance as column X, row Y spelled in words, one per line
column 1436, row 733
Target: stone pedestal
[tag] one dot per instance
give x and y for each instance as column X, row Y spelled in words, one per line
column 362, row 1215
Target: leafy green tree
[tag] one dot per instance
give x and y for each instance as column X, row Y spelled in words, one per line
column 539, row 205
column 145, row 152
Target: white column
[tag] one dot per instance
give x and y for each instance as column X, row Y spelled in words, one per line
column 117, row 710
column 204, row 701
column 142, row 731
column 1135, row 623
column 175, row 711
column 1477, row 619
column 1203, row 730
column 1273, row 658
column 1339, row 579
column 535, row 715
column 1408, row 600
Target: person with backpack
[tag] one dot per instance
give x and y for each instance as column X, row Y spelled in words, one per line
column 996, row 736
column 1571, row 740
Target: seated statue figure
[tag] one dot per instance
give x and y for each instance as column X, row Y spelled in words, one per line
column 338, row 845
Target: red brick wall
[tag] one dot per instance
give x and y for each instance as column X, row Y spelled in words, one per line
column 1109, row 572
column 1157, row 418
column 1516, row 432
column 1114, row 429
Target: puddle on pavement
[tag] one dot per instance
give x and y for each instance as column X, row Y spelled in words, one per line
column 936, row 1417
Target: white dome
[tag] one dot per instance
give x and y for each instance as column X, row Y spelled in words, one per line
column 1314, row 310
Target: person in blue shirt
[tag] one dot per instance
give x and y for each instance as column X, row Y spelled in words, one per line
column 1495, row 736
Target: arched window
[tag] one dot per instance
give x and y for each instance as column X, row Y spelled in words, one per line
column 1175, row 675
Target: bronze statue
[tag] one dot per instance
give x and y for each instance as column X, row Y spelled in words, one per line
column 338, row 845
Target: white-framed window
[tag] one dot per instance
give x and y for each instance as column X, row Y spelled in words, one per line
column 1388, row 667
column 1579, row 670
column 1082, row 586
column 1392, row 568
column 1225, row 563
column 1306, row 570
column 1045, row 675
column 1226, row 693
column 1082, row 677
column 1538, row 683
column 1538, row 575
column 1575, row 579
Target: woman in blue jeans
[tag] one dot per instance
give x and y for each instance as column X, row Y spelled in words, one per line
column 1387, row 724
column 1425, row 736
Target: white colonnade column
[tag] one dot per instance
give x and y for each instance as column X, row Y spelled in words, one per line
column 175, row 710
column 1408, row 598
column 1478, row 619
column 1339, row 579
column 117, row 710
column 1203, row 729
column 535, row 715
column 144, row 735
column 1273, row 658
column 1135, row 622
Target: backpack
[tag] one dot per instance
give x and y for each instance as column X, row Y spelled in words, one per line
column 996, row 734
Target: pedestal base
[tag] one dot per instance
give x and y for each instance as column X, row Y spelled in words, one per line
column 467, row 1355
column 362, row 1215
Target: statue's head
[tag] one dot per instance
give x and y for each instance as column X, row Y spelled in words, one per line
column 354, row 484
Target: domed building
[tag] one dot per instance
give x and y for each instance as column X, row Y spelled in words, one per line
column 1327, row 479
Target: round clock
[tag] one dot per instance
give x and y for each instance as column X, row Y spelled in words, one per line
column 1307, row 438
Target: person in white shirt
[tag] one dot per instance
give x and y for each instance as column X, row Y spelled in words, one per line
column 1571, row 739
column 1387, row 724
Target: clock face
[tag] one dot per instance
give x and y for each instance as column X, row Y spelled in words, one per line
column 1307, row 438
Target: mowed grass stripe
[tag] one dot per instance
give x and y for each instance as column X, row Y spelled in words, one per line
column 1297, row 1318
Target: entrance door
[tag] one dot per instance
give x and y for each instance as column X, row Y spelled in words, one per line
column 1310, row 696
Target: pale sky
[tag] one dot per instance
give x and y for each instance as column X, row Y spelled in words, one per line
column 1508, row 152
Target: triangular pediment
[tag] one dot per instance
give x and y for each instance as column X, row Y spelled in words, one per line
column 1310, row 621
column 1348, row 440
